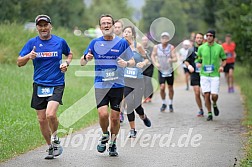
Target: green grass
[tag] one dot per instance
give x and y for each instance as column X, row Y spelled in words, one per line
column 244, row 81
column 19, row 128
column 18, row 122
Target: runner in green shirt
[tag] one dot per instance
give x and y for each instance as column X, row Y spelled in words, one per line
column 211, row 59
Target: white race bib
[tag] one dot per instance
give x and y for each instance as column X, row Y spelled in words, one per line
column 45, row 91
column 130, row 72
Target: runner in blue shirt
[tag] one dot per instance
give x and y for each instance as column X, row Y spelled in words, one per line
column 46, row 51
column 111, row 54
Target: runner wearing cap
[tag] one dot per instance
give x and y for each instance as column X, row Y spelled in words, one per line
column 183, row 52
column 162, row 57
column 45, row 51
column 211, row 59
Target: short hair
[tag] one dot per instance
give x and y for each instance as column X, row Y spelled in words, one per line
column 132, row 29
column 228, row 35
column 106, row 15
column 199, row 34
column 119, row 21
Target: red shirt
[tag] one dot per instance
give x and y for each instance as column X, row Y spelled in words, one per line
column 230, row 51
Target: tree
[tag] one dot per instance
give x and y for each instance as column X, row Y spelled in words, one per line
column 209, row 9
column 236, row 19
column 63, row 13
column 169, row 9
column 194, row 11
column 150, row 13
column 118, row 9
column 9, row 10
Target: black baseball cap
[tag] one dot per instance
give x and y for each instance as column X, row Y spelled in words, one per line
column 42, row 17
column 211, row 32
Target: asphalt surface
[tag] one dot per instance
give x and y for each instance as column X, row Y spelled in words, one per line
column 178, row 139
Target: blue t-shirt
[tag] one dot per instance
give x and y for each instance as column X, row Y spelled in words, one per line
column 47, row 63
column 108, row 74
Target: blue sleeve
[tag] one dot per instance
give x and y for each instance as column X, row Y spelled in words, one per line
column 65, row 48
column 27, row 48
column 91, row 47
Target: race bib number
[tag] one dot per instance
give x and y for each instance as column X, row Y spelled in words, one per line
column 196, row 68
column 167, row 73
column 229, row 55
column 43, row 91
column 208, row 68
column 109, row 75
column 130, row 72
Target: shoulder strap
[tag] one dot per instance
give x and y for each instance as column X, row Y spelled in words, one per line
column 135, row 45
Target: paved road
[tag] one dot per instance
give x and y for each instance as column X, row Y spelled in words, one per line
column 178, row 139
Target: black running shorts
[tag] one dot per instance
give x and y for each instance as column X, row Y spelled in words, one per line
column 40, row 103
column 228, row 66
column 112, row 96
column 169, row 80
column 195, row 79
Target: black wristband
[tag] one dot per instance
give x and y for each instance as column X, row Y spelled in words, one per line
column 67, row 63
column 127, row 64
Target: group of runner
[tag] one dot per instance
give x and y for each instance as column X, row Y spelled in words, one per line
column 123, row 71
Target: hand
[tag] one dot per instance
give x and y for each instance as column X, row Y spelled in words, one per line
column 89, row 56
column 190, row 68
column 140, row 64
column 121, row 62
column 157, row 65
column 63, row 67
column 170, row 60
column 33, row 54
column 198, row 65
column 221, row 69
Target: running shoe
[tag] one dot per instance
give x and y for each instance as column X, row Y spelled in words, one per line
column 57, row 148
column 147, row 121
column 101, row 147
column 200, row 113
column 112, row 149
column 132, row 133
column 210, row 116
column 50, row 153
column 170, row 108
column 216, row 110
column 163, row 107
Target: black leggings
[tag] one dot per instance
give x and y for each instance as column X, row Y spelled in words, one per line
column 133, row 93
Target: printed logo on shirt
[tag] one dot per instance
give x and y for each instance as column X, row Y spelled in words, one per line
column 106, row 57
column 114, row 50
column 40, row 45
column 47, row 54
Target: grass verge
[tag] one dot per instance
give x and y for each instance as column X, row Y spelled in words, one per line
column 243, row 79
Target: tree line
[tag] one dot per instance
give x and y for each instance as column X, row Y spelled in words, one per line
column 225, row 16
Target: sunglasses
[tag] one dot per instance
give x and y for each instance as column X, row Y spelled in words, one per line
column 209, row 35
